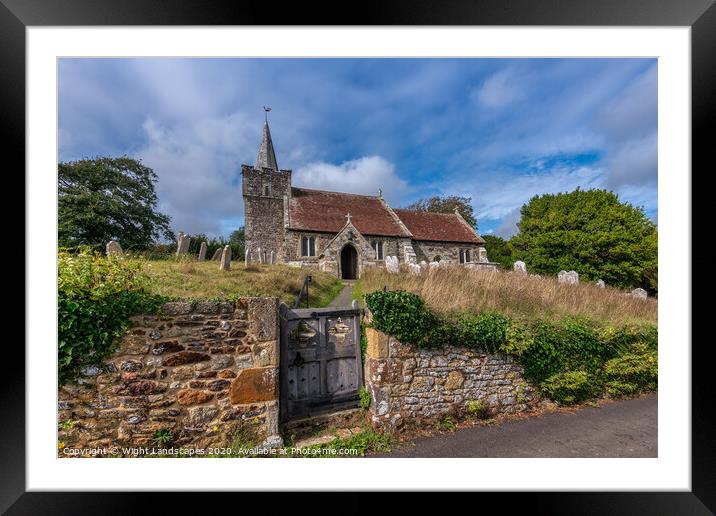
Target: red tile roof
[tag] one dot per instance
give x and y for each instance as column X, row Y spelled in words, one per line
column 437, row 227
column 318, row 210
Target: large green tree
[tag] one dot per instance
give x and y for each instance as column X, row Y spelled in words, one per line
column 591, row 232
column 109, row 198
column 499, row 250
column 447, row 204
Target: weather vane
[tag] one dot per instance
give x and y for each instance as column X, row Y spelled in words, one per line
column 266, row 112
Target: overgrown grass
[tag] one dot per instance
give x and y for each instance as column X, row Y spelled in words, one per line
column 452, row 290
column 192, row 279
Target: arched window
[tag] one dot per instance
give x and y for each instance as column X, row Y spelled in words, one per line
column 308, row 246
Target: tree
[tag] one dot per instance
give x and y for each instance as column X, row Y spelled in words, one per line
column 591, row 232
column 109, row 198
column 499, row 250
column 238, row 237
column 447, row 204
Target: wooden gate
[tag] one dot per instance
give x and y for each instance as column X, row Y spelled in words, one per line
column 320, row 364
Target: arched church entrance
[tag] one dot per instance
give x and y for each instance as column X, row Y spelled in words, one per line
column 349, row 263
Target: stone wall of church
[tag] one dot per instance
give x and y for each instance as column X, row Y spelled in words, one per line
column 447, row 251
column 264, row 214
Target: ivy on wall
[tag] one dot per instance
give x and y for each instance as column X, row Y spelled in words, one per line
column 96, row 297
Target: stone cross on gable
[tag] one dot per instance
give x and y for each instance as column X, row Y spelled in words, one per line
column 348, row 217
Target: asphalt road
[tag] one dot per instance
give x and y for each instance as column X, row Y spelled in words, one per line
column 625, row 428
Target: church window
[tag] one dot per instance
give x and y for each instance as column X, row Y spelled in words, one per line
column 308, row 246
column 464, row 255
column 267, row 190
column 378, row 249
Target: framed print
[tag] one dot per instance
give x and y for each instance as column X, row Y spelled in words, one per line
column 420, row 240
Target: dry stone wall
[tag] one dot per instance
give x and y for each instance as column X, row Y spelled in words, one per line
column 410, row 386
column 199, row 370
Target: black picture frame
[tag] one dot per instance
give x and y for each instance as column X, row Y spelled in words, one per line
column 700, row 15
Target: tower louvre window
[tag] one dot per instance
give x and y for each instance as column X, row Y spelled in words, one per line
column 267, row 190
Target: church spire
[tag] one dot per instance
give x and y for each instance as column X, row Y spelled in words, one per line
column 267, row 156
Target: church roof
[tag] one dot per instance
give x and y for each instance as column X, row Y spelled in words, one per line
column 267, row 156
column 319, row 210
column 438, row 227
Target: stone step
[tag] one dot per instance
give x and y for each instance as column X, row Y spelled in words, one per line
column 300, row 429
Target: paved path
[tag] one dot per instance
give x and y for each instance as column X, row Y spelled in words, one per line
column 625, row 428
column 345, row 296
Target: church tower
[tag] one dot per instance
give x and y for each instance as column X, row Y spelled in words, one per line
column 267, row 191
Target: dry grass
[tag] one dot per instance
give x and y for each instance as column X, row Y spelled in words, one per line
column 193, row 279
column 457, row 289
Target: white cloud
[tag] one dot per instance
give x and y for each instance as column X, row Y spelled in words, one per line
column 198, row 166
column 361, row 176
column 498, row 90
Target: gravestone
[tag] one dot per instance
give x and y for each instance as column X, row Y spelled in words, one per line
column 391, row 264
column 202, row 252
column 247, row 257
column 639, row 293
column 414, row 268
column 271, row 262
column 434, row 265
column 569, row 278
column 217, row 255
column 520, row 267
column 114, row 249
column 260, row 255
column 183, row 244
column 600, row 283
column 225, row 263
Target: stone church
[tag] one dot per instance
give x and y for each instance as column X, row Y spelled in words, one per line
column 342, row 233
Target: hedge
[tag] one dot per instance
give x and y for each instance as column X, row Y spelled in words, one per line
column 96, row 297
column 569, row 360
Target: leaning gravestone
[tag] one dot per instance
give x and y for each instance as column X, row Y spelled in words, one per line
column 183, row 244
column 520, row 267
column 391, row 264
column 225, row 263
column 114, row 249
column 217, row 255
column 202, row 252
column 569, row 278
column 639, row 293
column 600, row 283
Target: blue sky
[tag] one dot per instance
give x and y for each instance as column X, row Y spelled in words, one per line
column 497, row 130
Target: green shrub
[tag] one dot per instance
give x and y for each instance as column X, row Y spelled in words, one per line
column 627, row 338
column 96, row 297
column 446, row 423
column 632, row 373
column 365, row 398
column 162, row 437
column 400, row 314
column 570, row 387
column 443, row 333
column 542, row 358
column 486, row 331
column 580, row 345
column 479, row 409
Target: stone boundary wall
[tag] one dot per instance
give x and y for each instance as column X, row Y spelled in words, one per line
column 199, row 370
column 410, row 386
